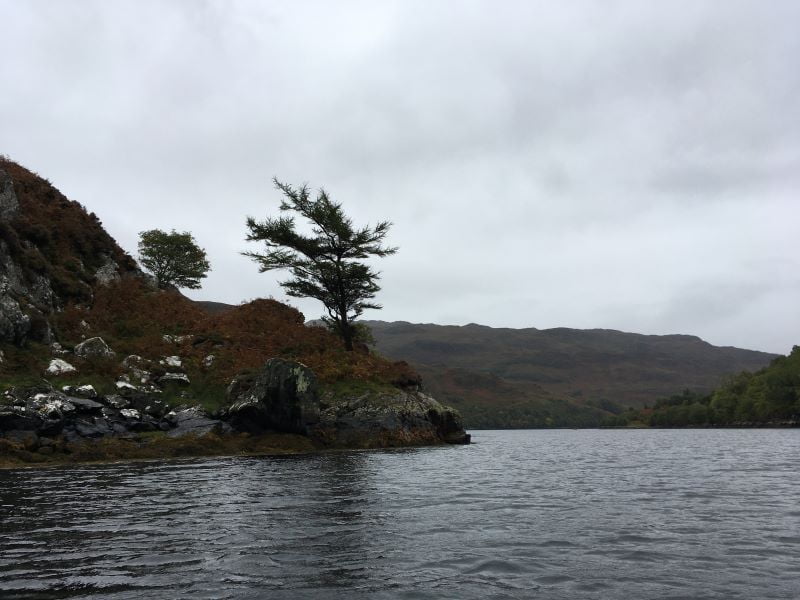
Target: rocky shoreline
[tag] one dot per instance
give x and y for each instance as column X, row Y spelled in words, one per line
column 41, row 424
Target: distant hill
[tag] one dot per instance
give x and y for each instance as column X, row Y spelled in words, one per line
column 589, row 370
column 214, row 308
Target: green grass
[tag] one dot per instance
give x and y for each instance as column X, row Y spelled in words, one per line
column 348, row 389
column 209, row 395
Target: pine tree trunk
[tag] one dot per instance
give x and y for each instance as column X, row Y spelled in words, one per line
column 347, row 333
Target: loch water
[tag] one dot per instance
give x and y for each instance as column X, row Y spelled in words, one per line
column 518, row 514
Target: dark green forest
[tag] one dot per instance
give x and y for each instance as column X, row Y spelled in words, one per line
column 770, row 396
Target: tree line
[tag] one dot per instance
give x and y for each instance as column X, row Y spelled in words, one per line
column 768, row 396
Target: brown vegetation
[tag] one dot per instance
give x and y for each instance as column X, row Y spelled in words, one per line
column 56, row 237
column 133, row 318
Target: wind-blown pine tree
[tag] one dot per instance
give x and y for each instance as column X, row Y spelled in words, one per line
column 326, row 265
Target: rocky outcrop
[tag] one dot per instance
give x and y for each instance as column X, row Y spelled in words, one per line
column 38, row 276
column 14, row 324
column 41, row 414
column 59, row 366
column 389, row 417
column 194, row 421
column 108, row 272
column 283, row 396
column 9, row 205
column 93, row 348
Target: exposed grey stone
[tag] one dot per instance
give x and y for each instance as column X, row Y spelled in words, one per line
column 80, row 391
column 108, row 272
column 177, row 378
column 88, row 428
column 172, row 361
column 59, row 367
column 94, row 348
column 14, row 324
column 9, row 205
column 84, row 405
column 117, row 401
column 51, row 406
column 41, row 292
column 392, row 415
column 194, row 421
column 130, row 413
column 283, row 396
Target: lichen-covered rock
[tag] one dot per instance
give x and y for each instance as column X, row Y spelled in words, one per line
column 138, row 368
column 130, row 413
column 80, row 391
column 14, row 324
column 283, row 396
column 172, row 361
column 59, row 366
column 108, row 273
column 93, row 348
column 117, row 401
column 9, row 205
column 389, row 417
column 194, row 421
column 175, row 378
column 52, row 406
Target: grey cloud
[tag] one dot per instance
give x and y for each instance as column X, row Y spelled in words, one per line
column 577, row 164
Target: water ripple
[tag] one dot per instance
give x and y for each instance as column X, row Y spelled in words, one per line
column 544, row 514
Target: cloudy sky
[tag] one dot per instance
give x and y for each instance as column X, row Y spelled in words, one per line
column 628, row 165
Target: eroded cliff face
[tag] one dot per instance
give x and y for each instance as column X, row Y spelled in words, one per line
column 52, row 251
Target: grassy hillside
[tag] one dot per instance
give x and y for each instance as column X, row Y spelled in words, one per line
column 595, row 367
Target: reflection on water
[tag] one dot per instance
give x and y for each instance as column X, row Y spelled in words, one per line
column 544, row 514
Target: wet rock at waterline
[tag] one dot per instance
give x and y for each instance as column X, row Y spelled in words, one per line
column 283, row 396
column 390, row 417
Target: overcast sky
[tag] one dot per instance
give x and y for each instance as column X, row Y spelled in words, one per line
column 608, row 164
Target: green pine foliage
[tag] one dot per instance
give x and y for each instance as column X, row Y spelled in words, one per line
column 327, row 265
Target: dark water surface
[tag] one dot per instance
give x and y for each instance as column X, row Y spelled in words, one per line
column 520, row 514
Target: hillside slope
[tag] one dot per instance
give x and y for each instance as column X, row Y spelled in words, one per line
column 52, row 252
column 64, row 279
column 595, row 367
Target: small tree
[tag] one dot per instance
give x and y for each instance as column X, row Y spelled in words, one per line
column 174, row 259
column 325, row 265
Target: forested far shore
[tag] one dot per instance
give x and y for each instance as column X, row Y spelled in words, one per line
column 770, row 396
